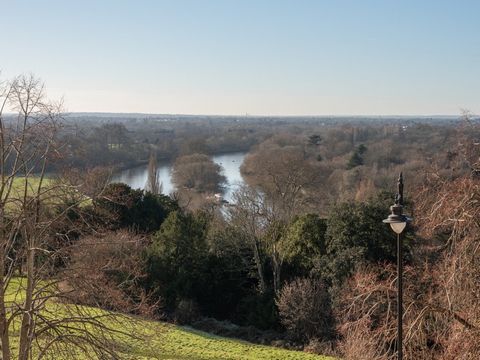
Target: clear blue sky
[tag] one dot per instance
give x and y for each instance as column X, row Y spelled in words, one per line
column 249, row 56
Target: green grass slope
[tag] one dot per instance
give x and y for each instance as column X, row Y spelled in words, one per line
column 159, row 340
column 173, row 342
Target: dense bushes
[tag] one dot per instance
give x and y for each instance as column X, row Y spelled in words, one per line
column 182, row 268
column 121, row 206
column 177, row 258
column 303, row 242
column 104, row 260
column 355, row 235
column 199, row 265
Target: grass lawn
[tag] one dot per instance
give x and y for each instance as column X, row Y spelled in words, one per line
column 173, row 342
column 32, row 184
column 159, row 340
column 52, row 192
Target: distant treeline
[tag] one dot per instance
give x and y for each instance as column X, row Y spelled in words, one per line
column 124, row 140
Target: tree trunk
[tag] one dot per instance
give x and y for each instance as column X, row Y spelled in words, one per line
column 5, row 340
column 258, row 263
column 277, row 270
column 27, row 320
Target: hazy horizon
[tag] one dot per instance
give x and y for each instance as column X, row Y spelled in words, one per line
column 100, row 113
column 107, row 113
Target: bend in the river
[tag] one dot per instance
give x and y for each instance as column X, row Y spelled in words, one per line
column 136, row 177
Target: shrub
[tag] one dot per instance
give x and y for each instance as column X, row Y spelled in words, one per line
column 304, row 309
column 121, row 206
column 302, row 242
column 355, row 235
column 107, row 271
column 177, row 258
column 259, row 310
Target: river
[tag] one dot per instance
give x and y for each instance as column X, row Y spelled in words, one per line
column 137, row 177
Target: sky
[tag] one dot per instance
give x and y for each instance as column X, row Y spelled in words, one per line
column 261, row 57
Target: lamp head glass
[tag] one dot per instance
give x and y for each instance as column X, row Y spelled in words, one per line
column 398, row 227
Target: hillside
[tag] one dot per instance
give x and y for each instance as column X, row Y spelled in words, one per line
column 173, row 342
column 151, row 339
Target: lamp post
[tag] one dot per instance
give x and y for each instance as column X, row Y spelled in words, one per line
column 398, row 222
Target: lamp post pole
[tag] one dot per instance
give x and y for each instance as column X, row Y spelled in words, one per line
column 398, row 222
column 400, row 296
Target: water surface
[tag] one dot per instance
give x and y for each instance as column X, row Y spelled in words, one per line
column 137, row 177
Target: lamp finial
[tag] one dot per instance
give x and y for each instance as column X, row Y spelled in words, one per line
column 399, row 196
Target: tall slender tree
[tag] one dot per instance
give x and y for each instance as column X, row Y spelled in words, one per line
column 154, row 184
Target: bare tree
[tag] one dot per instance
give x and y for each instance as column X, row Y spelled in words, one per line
column 263, row 226
column 286, row 177
column 442, row 288
column 246, row 217
column 106, row 270
column 30, row 305
column 304, row 309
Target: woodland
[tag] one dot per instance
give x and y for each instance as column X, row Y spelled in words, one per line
column 300, row 259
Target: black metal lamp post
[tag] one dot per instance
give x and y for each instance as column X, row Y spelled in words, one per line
column 398, row 222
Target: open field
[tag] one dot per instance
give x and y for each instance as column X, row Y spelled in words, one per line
column 31, row 184
column 53, row 192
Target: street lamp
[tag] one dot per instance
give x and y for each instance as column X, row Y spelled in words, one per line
column 398, row 222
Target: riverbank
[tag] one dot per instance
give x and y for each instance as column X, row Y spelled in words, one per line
column 170, row 160
column 136, row 177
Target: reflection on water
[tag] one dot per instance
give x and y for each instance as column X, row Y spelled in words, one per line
column 137, row 177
